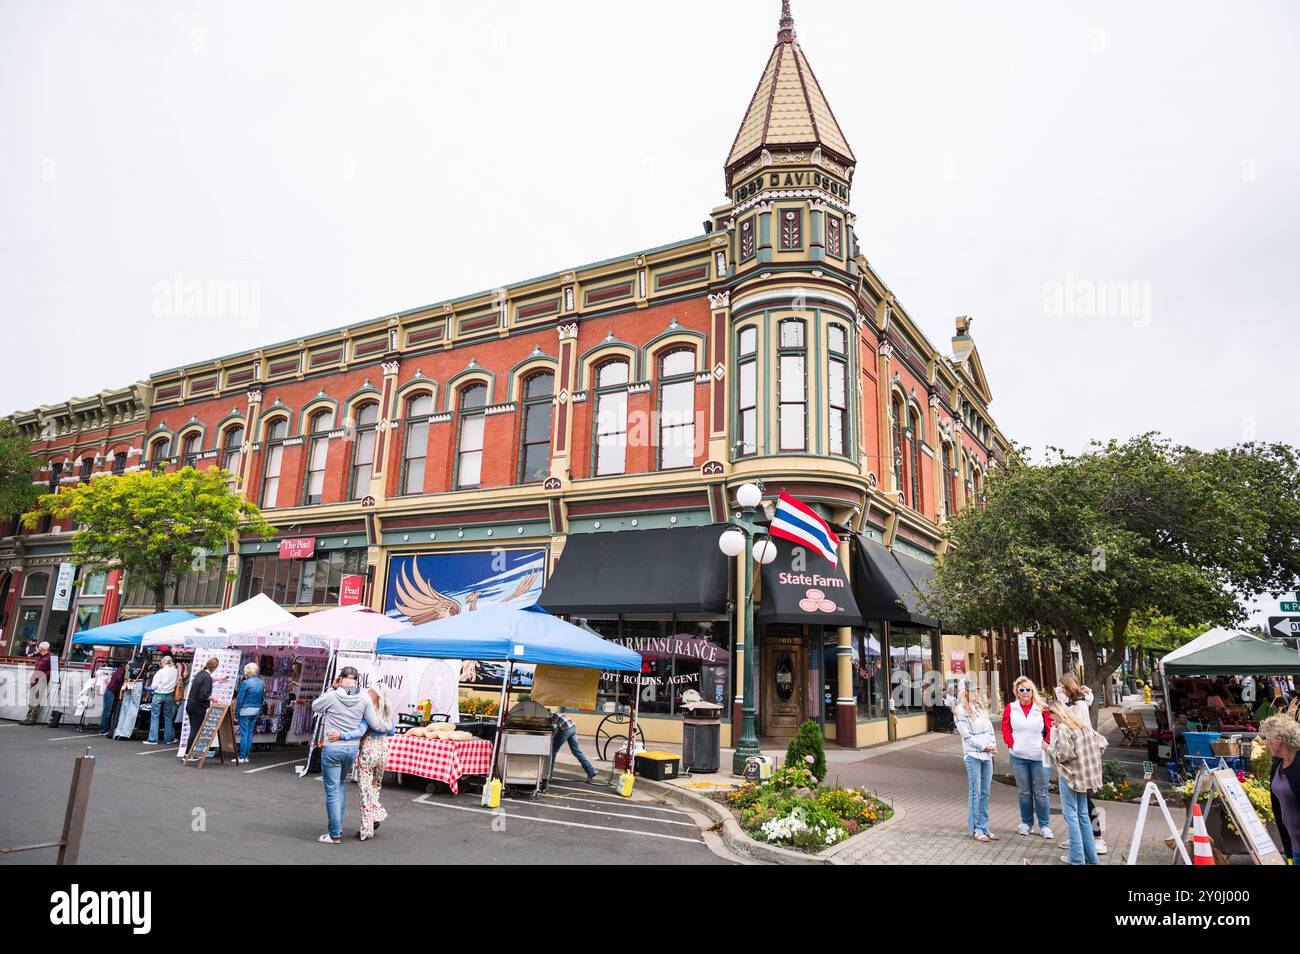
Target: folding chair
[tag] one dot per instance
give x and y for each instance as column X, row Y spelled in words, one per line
column 1129, row 737
column 1137, row 725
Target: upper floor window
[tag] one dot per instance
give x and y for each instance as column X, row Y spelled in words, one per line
column 94, row 583
column 273, row 457
column 896, row 415
column 319, row 427
column 190, row 448
column 159, row 451
column 948, row 477
column 535, row 439
column 792, row 386
column 611, row 417
column 363, row 449
column 747, row 392
column 87, row 468
column 914, row 437
column 36, row 584
column 232, row 443
column 837, row 388
column 469, row 445
column 119, row 463
column 677, row 409
column 415, row 445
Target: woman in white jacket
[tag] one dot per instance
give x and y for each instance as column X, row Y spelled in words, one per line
column 978, row 746
column 1078, row 699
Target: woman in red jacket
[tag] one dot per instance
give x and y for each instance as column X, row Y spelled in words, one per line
column 1026, row 728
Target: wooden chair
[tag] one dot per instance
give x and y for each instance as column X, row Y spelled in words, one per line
column 1129, row 737
column 1137, row 725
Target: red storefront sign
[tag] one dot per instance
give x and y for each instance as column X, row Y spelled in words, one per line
column 352, row 589
column 297, row 548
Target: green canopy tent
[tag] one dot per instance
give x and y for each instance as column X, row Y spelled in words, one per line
column 1226, row 653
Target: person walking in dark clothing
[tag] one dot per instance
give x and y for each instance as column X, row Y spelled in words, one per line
column 196, row 706
column 111, row 689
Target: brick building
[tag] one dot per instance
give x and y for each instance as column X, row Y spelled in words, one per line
column 454, row 453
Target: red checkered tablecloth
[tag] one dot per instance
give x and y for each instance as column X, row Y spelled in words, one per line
column 442, row 760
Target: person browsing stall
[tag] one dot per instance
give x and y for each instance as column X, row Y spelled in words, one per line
column 163, row 706
column 248, row 706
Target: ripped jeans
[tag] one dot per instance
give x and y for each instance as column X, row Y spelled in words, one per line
column 1031, row 787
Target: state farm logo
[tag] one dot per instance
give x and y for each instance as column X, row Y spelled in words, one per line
column 815, row 601
column 75, row 908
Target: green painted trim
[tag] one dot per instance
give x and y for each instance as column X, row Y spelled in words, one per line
column 451, row 391
column 651, row 520
column 533, row 529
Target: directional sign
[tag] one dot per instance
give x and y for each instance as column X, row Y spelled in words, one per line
column 1284, row 625
column 1290, row 606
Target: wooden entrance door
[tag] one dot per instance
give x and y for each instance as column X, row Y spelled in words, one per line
column 782, row 676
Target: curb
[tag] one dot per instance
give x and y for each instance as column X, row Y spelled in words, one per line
column 734, row 837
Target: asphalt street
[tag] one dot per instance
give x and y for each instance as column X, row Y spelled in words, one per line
column 145, row 808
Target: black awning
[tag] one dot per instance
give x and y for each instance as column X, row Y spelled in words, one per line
column 801, row 586
column 677, row 570
column 886, row 586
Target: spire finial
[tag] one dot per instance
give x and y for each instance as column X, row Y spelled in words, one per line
column 786, row 33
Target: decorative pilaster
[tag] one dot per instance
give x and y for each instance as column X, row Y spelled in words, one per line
column 562, row 421
column 250, row 434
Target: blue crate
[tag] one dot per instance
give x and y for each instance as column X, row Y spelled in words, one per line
column 1199, row 743
column 1193, row 763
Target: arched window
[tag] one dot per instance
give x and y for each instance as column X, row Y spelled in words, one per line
column 837, row 388
column 469, row 436
column 914, row 437
column 535, row 437
column 159, row 451
column 677, row 409
column 231, row 458
column 611, row 417
column 319, row 427
column 87, row 468
column 190, row 447
column 896, row 412
column 119, row 463
column 747, row 392
column 415, row 444
column 792, row 386
column 363, row 449
column 273, row 458
column 36, row 584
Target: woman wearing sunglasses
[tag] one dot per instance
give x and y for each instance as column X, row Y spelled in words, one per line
column 1026, row 728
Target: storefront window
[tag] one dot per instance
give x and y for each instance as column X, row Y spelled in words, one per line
column 680, row 655
column 911, row 667
column 94, row 583
column 36, row 584
column 196, row 588
column 312, row 582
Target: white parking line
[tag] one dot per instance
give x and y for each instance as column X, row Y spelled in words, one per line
column 621, row 800
column 156, row 751
column 596, row 811
column 64, row 738
column 276, row 765
column 426, row 800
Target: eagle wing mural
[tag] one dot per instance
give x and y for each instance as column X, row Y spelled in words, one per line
column 418, row 601
column 523, row 586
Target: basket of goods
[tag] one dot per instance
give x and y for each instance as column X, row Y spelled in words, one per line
column 1227, row 748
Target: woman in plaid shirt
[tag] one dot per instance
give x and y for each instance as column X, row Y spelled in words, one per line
column 1076, row 749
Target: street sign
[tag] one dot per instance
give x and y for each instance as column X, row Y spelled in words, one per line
column 1284, row 625
column 1290, row 606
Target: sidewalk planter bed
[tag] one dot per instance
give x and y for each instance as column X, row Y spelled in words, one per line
column 793, row 810
column 1115, row 787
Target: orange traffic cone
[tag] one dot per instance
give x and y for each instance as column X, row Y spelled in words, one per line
column 1202, row 852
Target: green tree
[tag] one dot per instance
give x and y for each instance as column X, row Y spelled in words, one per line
column 808, row 742
column 18, row 467
column 156, row 527
column 1080, row 546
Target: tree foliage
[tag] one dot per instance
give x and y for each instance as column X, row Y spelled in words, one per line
column 156, row 527
column 1081, row 546
column 18, row 467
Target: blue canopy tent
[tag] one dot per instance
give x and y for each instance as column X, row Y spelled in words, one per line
column 509, row 635
column 129, row 632
column 505, row 634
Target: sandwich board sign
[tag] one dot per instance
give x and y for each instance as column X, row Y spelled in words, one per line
column 217, row 729
column 1245, row 819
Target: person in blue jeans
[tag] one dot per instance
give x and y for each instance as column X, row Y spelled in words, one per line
column 113, row 687
column 564, row 731
column 163, row 704
column 979, row 745
column 248, row 706
column 341, row 711
column 1026, row 729
column 1076, row 750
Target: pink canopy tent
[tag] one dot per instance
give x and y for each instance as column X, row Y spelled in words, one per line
column 346, row 628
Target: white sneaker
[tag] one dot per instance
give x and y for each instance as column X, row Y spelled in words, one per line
column 1100, row 845
column 147, row 742
column 325, row 839
column 1046, row 833
column 1024, row 829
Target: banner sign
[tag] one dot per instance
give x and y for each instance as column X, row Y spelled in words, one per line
column 63, row 588
column 565, row 686
column 297, row 548
column 351, row 589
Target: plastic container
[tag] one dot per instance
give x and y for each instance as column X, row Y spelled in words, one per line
column 1201, row 743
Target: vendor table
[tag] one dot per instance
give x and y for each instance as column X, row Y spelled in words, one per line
column 442, row 760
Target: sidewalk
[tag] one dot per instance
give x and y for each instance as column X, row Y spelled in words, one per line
column 925, row 779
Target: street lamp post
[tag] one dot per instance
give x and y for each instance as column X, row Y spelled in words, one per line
column 744, row 536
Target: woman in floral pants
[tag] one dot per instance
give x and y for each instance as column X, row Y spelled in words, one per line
column 372, row 756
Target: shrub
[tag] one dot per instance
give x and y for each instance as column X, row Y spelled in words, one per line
column 791, row 776
column 808, row 747
column 1112, row 773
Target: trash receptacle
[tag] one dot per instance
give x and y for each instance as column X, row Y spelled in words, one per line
column 701, row 737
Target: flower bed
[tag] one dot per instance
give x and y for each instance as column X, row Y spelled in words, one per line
column 794, row 810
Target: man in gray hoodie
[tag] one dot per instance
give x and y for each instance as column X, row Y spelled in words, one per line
column 341, row 711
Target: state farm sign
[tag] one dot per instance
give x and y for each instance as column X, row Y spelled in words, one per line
column 297, row 548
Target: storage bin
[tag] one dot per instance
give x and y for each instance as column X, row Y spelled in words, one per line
column 1200, row 743
column 658, row 765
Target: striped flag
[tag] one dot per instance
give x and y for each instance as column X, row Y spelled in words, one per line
column 795, row 521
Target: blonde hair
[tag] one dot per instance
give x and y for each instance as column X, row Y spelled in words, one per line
column 1073, row 688
column 1280, row 728
column 971, row 701
column 384, row 702
column 1062, row 715
column 251, row 669
column 1026, row 681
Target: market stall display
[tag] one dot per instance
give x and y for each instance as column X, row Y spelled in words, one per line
column 440, row 757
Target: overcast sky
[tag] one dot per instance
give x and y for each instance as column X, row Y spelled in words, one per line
column 1017, row 162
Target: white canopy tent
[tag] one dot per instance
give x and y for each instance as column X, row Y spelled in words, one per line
column 214, row 630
